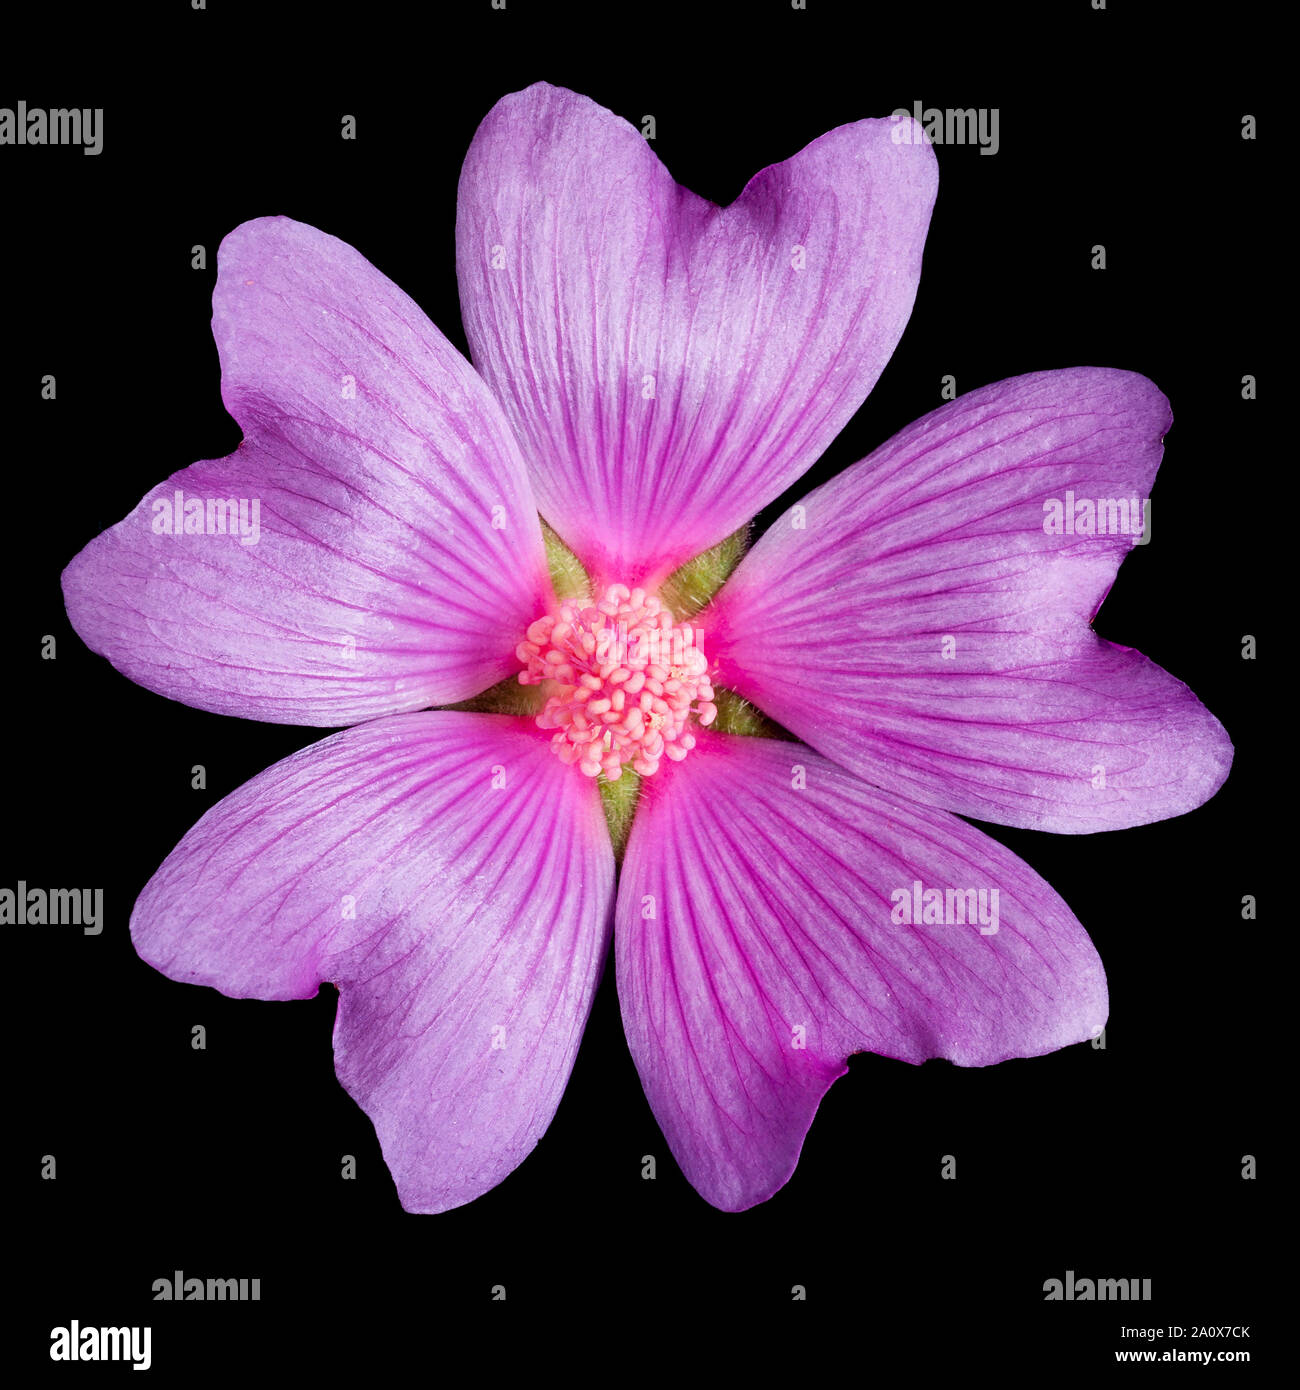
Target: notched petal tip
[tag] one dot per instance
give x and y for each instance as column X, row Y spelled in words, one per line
column 773, row 919
column 927, row 627
column 455, row 883
column 389, row 551
column 756, row 329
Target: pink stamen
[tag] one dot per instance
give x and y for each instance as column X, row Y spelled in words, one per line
column 625, row 682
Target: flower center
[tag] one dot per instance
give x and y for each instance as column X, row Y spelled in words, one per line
column 622, row 681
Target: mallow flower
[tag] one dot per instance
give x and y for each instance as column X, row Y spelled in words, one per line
column 650, row 370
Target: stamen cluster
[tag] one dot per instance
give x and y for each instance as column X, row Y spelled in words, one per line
column 624, row 682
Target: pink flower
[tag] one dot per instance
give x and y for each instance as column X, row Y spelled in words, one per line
column 651, row 371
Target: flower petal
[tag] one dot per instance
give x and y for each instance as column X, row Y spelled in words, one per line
column 671, row 366
column 914, row 621
column 396, row 557
column 455, row 880
column 758, row 945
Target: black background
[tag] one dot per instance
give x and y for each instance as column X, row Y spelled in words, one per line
column 1123, row 1162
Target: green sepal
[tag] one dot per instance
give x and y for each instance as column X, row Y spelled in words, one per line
column 737, row 716
column 618, row 800
column 568, row 578
column 691, row 586
column 505, row 697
